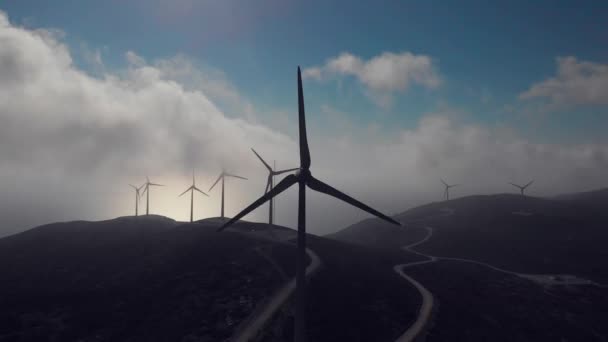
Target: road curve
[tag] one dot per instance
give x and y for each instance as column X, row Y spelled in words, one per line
column 259, row 320
column 425, row 310
column 426, row 307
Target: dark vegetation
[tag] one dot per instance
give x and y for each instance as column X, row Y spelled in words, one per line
column 479, row 304
column 523, row 234
column 355, row 296
column 153, row 279
column 130, row 279
column 565, row 235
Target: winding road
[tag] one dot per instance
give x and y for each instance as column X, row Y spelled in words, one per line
column 426, row 307
column 258, row 319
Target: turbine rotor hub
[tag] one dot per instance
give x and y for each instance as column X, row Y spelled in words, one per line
column 303, row 174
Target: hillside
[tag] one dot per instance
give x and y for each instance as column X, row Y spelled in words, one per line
column 524, row 234
column 511, row 234
column 137, row 279
column 154, row 279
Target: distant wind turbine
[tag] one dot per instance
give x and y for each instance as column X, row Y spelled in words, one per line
column 192, row 188
column 522, row 188
column 147, row 186
column 447, row 189
column 303, row 178
column 270, row 183
column 222, row 176
column 137, row 197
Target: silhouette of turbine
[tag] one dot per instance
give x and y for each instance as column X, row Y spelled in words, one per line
column 223, row 175
column 270, row 183
column 147, row 186
column 137, row 197
column 447, row 189
column 303, row 178
column 522, row 188
column 192, row 188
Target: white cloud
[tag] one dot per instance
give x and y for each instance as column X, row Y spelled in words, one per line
column 576, row 83
column 82, row 132
column 382, row 75
column 70, row 143
column 312, row 73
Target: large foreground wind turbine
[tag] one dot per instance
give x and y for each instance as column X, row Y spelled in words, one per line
column 303, row 178
column 270, row 182
column 522, row 188
column 192, row 188
column 137, row 197
column 147, row 186
column 222, row 176
column 447, row 189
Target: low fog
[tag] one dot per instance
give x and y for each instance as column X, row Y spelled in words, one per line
column 72, row 140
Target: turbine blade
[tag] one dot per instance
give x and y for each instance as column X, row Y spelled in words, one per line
column 218, row 179
column 444, row 183
column 515, row 185
column 319, row 186
column 190, row 188
column 527, row 185
column 154, row 184
column 133, row 186
column 267, row 184
column 235, row 176
column 199, row 190
column 276, row 173
column 143, row 192
column 141, row 186
column 282, row 186
column 262, row 160
column 304, row 152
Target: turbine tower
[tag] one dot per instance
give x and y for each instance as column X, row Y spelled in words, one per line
column 192, row 188
column 522, row 188
column 222, row 176
column 147, row 186
column 303, row 178
column 447, row 189
column 137, row 197
column 270, row 183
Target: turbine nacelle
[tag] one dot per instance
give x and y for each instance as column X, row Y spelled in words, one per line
column 303, row 174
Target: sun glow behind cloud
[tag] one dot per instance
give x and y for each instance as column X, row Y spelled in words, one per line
column 71, row 142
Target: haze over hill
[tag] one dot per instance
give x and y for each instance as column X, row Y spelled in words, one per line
column 407, row 103
column 155, row 279
column 82, row 115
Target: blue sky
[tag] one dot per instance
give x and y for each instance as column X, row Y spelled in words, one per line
column 398, row 95
column 486, row 53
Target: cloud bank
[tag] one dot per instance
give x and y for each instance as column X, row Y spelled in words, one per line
column 70, row 142
column 382, row 75
column 576, row 83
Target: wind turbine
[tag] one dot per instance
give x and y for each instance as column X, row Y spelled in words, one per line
column 270, row 183
column 137, row 197
column 447, row 189
column 222, row 176
column 522, row 188
column 303, row 178
column 192, row 188
column 147, row 186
